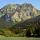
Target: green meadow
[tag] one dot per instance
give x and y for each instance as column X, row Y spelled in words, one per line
column 18, row 38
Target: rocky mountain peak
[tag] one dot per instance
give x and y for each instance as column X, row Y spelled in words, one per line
column 20, row 12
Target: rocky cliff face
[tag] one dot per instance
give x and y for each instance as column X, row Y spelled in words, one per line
column 21, row 12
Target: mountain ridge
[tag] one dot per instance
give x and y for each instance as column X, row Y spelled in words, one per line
column 21, row 12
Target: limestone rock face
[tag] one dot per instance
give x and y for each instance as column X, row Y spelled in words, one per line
column 18, row 12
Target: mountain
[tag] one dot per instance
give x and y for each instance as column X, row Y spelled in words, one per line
column 19, row 12
column 15, row 18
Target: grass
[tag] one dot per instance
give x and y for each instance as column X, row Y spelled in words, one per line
column 18, row 38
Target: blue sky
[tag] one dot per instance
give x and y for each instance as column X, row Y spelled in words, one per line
column 35, row 3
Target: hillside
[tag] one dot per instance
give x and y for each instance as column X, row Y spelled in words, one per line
column 30, row 27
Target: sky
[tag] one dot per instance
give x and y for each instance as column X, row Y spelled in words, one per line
column 35, row 3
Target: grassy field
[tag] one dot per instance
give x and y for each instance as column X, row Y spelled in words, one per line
column 17, row 38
